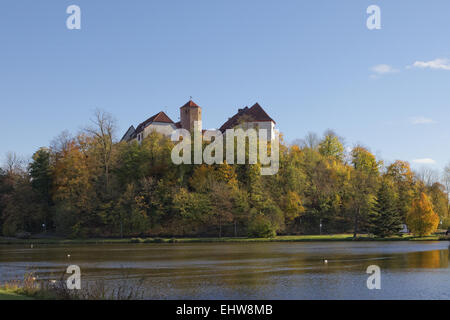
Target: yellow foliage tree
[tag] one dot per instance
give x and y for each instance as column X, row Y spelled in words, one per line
column 421, row 219
column 294, row 207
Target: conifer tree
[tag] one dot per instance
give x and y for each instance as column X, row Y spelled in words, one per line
column 385, row 219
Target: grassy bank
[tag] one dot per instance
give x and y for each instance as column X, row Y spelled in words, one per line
column 293, row 238
column 11, row 295
column 32, row 288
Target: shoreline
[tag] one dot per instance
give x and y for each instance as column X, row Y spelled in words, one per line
column 11, row 295
column 158, row 240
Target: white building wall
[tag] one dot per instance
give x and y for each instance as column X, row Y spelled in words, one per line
column 268, row 125
column 160, row 127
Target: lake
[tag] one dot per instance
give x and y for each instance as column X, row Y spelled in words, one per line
column 296, row 270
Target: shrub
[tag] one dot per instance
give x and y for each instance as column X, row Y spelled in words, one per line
column 261, row 227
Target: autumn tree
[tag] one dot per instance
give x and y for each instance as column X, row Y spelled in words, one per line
column 439, row 199
column 128, row 214
column 75, row 196
column 331, row 146
column 220, row 195
column 421, row 219
column 363, row 185
column 404, row 185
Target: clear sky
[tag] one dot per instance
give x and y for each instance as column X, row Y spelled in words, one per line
column 312, row 65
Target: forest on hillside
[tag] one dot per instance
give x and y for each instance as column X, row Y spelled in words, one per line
column 90, row 185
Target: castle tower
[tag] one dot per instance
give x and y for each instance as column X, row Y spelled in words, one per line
column 189, row 113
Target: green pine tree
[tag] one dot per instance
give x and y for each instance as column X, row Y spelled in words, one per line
column 385, row 219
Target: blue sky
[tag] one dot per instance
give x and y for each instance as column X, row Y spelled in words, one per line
column 312, row 65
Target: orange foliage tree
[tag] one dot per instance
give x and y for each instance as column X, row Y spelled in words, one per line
column 421, row 219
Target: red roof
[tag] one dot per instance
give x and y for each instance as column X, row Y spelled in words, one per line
column 190, row 104
column 159, row 117
column 254, row 114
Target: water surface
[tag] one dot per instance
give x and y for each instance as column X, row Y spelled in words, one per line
column 409, row 270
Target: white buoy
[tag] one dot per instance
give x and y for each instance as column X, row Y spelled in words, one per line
column 68, row 256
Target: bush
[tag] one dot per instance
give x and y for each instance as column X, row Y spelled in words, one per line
column 136, row 240
column 261, row 227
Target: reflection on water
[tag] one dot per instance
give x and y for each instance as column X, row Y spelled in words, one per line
column 410, row 270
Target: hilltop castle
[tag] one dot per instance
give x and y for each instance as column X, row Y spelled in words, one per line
column 254, row 117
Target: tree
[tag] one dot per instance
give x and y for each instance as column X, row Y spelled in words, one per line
column 22, row 212
column 222, row 204
column 385, row 218
column 14, row 164
column 129, row 217
column 403, row 184
column 75, row 195
column 446, row 182
column 103, row 133
column 421, row 219
column 363, row 185
column 191, row 207
column 439, row 199
column 293, row 206
column 427, row 175
column 331, row 146
column 261, row 227
column 311, row 141
column 41, row 180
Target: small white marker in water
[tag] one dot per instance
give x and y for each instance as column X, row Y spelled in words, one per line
column 68, row 256
column 325, row 261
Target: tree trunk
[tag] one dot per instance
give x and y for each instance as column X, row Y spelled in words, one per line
column 235, row 229
column 355, row 228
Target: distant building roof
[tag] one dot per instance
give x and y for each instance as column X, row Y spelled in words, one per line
column 190, row 104
column 159, row 117
column 129, row 134
column 254, row 114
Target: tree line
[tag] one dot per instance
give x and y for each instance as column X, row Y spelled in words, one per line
column 90, row 185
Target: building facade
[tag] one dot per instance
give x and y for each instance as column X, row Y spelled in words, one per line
column 253, row 117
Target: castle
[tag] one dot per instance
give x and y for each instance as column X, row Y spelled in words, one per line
column 253, row 117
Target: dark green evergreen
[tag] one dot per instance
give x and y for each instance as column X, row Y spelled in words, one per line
column 385, row 219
